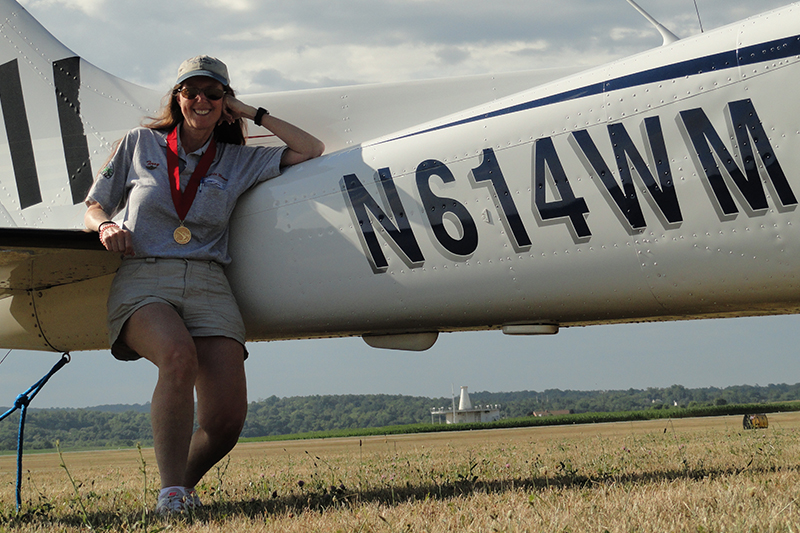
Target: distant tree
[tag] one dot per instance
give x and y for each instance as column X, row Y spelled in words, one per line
column 111, row 426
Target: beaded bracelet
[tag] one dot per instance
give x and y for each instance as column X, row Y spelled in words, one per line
column 103, row 227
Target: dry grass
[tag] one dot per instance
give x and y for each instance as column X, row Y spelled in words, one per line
column 681, row 475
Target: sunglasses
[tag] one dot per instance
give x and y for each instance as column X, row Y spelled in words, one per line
column 212, row 93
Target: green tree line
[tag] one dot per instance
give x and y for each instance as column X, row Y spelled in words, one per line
column 124, row 426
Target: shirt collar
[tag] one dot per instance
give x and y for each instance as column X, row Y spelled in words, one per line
column 199, row 152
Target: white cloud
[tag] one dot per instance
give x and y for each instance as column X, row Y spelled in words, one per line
column 310, row 43
column 233, row 5
column 625, row 34
column 88, row 7
column 259, row 36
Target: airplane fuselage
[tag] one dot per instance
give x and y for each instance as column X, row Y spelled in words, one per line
column 663, row 186
column 622, row 194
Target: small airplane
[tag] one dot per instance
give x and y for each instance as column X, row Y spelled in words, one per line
column 663, row 186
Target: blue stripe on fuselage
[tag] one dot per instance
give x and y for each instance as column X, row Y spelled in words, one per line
column 769, row 51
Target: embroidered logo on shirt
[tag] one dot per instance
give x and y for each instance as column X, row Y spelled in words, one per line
column 150, row 165
column 108, row 171
column 215, row 180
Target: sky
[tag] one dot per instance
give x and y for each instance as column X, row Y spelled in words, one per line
column 306, row 44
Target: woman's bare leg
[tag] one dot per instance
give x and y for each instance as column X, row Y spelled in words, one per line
column 221, row 389
column 158, row 334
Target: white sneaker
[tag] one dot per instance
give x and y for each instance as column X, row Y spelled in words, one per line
column 171, row 502
column 192, row 500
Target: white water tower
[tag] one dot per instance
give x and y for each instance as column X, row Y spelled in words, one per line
column 463, row 402
column 465, row 412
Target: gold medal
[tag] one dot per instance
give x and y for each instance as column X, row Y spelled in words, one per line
column 183, row 200
column 182, row 234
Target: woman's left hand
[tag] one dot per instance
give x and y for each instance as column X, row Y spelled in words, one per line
column 233, row 109
column 300, row 144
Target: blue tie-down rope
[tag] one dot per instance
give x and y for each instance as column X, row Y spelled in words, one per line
column 21, row 403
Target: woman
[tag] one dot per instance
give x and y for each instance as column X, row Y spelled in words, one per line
column 170, row 302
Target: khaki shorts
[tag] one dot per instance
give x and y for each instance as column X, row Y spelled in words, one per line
column 197, row 290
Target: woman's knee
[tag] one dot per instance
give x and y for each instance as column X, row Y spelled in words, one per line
column 177, row 362
column 157, row 333
column 224, row 424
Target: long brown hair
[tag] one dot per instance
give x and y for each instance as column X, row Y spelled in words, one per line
column 170, row 115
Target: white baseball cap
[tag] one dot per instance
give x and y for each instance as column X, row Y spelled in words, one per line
column 208, row 66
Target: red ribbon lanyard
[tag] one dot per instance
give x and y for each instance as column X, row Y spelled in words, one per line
column 183, row 201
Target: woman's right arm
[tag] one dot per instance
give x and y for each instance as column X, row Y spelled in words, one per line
column 113, row 237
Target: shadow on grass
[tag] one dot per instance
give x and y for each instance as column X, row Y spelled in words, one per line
column 320, row 500
column 338, row 497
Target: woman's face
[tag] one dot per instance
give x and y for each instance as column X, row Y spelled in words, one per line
column 201, row 113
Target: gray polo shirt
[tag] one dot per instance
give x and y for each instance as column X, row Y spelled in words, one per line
column 136, row 182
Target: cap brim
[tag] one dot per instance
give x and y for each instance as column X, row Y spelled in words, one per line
column 205, row 73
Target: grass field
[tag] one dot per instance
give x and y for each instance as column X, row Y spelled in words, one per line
column 701, row 474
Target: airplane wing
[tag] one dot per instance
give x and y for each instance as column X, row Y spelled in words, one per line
column 344, row 117
column 54, row 283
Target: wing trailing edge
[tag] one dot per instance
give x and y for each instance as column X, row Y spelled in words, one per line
column 53, row 289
